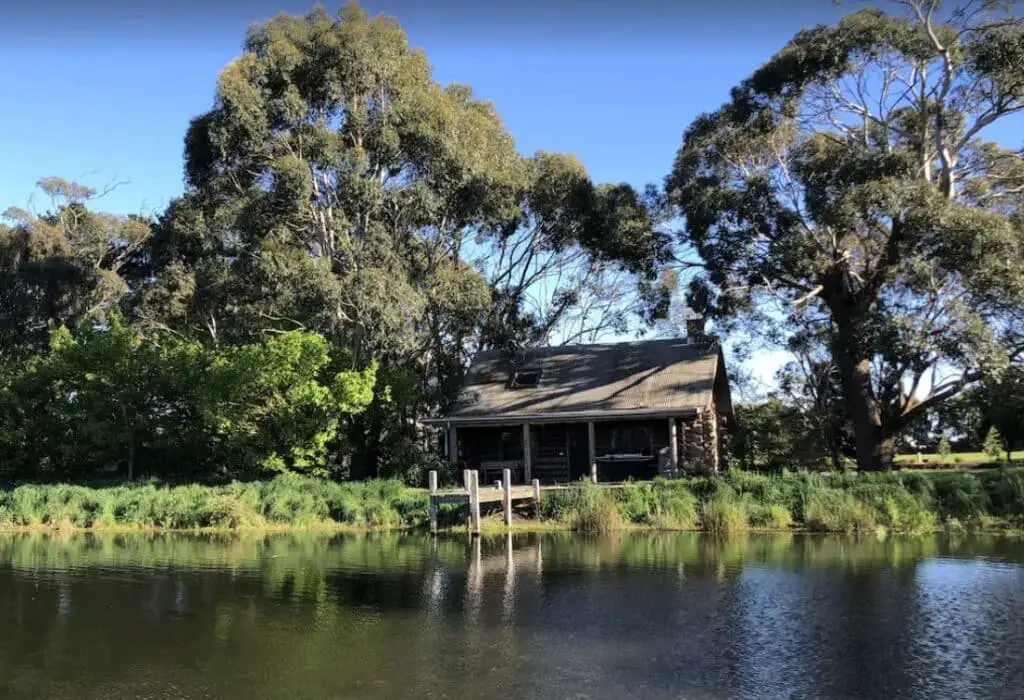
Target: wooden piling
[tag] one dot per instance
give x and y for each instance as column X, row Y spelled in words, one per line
column 474, row 501
column 536, row 495
column 466, row 478
column 433, row 501
column 592, row 450
column 506, row 480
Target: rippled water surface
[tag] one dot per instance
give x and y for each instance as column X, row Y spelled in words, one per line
column 645, row 616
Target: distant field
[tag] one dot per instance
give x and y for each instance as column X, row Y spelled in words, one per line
column 955, row 459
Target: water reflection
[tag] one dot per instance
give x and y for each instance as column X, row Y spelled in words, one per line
column 638, row 615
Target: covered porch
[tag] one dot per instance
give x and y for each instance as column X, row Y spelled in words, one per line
column 606, row 448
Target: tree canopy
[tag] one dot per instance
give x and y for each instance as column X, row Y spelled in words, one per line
column 336, row 195
column 847, row 193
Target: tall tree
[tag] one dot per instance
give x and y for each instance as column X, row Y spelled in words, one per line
column 335, row 186
column 1000, row 405
column 62, row 266
column 849, row 180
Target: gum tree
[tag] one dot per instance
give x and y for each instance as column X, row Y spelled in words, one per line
column 847, row 189
column 335, row 186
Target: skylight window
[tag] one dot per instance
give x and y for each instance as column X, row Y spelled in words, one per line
column 525, row 380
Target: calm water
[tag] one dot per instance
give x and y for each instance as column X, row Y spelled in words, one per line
column 646, row 616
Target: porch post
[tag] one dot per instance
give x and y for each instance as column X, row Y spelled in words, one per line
column 592, row 444
column 453, row 446
column 527, row 457
column 673, row 446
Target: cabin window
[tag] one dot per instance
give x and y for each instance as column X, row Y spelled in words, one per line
column 525, row 379
column 511, row 445
column 632, row 440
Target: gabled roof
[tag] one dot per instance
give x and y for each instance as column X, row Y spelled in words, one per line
column 651, row 377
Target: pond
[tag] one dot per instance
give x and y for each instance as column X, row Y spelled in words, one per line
column 553, row 616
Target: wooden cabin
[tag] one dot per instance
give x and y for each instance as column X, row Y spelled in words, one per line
column 613, row 411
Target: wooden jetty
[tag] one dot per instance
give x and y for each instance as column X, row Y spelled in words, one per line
column 473, row 494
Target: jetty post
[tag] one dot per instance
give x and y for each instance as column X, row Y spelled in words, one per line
column 506, row 482
column 433, row 501
column 474, row 501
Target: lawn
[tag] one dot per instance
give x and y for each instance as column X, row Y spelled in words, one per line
column 955, row 458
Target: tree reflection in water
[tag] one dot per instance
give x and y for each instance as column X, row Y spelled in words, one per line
column 396, row 615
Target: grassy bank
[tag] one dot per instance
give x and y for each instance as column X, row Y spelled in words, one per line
column 284, row 502
column 901, row 502
column 897, row 502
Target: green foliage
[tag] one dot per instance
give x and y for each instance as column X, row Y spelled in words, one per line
column 993, row 445
column 773, row 434
column 724, row 513
column 772, row 517
column 283, row 501
column 111, row 400
column 664, row 504
column 68, row 265
column 391, row 214
column 998, row 402
column 820, row 191
column 832, row 510
column 584, row 507
column 944, row 448
column 898, row 502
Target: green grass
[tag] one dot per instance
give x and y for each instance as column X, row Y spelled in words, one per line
column 281, row 502
column 956, row 458
column 908, row 501
column 725, row 512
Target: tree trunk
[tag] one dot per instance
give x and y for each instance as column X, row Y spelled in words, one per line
column 837, row 458
column 874, row 447
column 131, row 455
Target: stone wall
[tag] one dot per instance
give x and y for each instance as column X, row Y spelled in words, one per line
column 699, row 443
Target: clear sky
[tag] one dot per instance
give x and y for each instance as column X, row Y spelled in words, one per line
column 104, row 91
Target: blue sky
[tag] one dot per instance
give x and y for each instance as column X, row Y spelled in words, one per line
column 107, row 94
column 104, row 92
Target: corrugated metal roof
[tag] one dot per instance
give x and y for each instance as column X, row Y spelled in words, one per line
column 636, row 376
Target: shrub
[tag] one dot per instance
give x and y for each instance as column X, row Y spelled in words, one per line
column 584, row 507
column 724, row 513
column 597, row 516
column 901, row 512
column 832, row 510
column 1005, row 492
column 774, row 517
column 993, row 445
column 960, row 496
column 944, row 447
column 661, row 503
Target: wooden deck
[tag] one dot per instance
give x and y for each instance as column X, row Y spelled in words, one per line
column 501, row 492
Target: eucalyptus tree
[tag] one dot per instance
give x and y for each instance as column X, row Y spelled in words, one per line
column 66, row 264
column 335, row 186
column 847, row 188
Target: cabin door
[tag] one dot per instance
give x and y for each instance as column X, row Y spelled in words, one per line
column 579, row 451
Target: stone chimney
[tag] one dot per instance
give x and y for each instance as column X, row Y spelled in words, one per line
column 695, row 328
